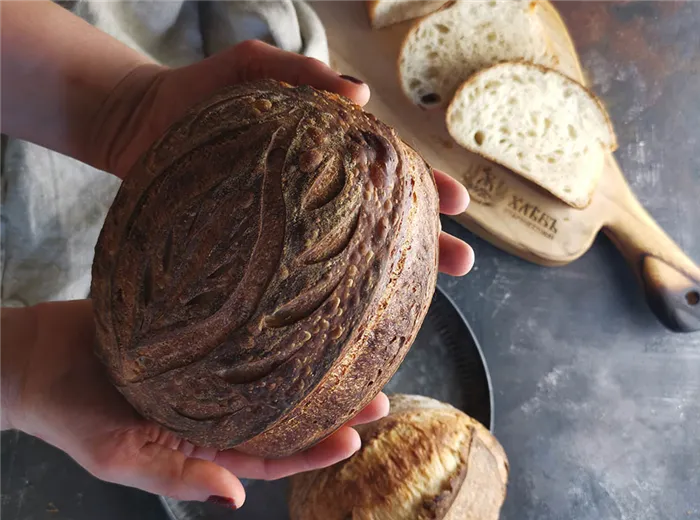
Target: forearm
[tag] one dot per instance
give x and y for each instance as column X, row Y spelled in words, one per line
column 17, row 335
column 58, row 72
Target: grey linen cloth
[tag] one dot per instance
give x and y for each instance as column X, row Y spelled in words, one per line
column 53, row 207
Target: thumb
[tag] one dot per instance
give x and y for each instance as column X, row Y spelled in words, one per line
column 164, row 471
column 253, row 59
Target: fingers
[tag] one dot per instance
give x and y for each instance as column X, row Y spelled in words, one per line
column 456, row 256
column 339, row 446
column 165, row 471
column 376, row 409
column 454, row 197
column 251, row 60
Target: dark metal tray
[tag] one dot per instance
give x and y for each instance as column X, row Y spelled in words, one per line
column 445, row 362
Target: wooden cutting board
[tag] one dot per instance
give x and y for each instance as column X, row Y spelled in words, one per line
column 505, row 209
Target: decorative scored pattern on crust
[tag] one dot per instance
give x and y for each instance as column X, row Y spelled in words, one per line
column 251, row 247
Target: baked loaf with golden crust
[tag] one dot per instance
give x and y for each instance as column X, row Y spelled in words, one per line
column 264, row 268
column 426, row 460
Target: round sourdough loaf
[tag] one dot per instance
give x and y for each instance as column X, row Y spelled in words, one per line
column 425, row 461
column 265, row 268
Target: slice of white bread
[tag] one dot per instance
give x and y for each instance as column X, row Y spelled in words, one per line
column 383, row 13
column 538, row 123
column 445, row 48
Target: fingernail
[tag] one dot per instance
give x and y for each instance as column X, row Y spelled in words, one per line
column 352, row 79
column 222, row 501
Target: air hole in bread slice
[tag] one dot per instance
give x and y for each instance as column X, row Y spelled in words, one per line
column 442, row 28
column 430, row 99
column 432, row 72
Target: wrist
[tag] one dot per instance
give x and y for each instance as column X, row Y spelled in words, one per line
column 18, row 333
column 57, row 72
column 123, row 117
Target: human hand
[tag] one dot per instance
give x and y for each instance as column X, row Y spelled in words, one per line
column 53, row 386
column 61, row 394
column 152, row 98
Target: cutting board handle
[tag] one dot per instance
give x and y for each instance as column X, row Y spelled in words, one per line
column 670, row 279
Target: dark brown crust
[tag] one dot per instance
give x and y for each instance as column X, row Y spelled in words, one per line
column 250, row 303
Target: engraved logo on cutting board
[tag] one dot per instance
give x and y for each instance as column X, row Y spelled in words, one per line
column 532, row 216
column 485, row 187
